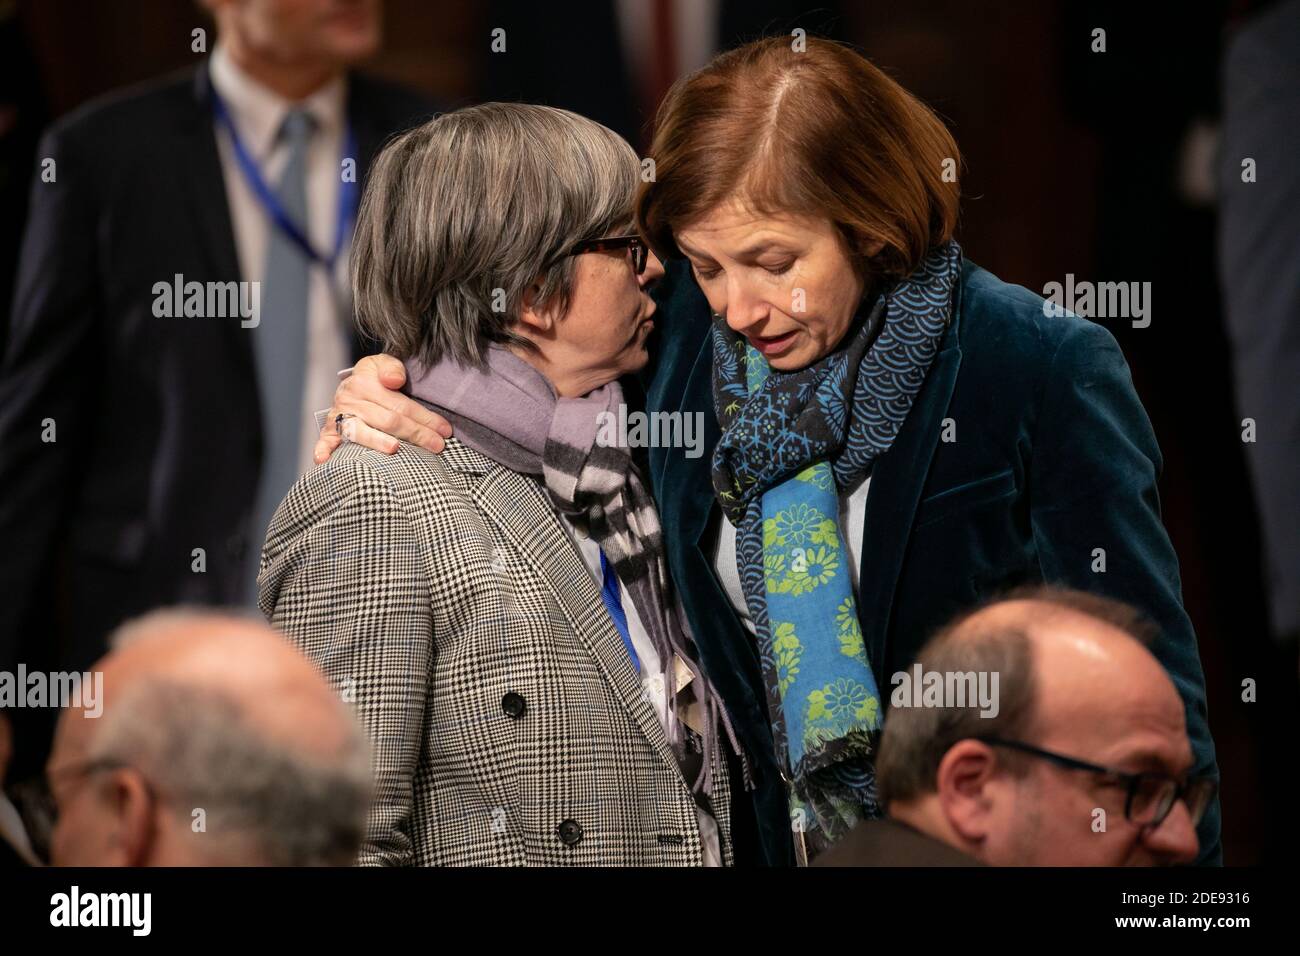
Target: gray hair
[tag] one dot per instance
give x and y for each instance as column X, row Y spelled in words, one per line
column 262, row 801
column 916, row 738
column 461, row 216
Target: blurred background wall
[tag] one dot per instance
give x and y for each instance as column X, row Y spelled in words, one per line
column 1076, row 161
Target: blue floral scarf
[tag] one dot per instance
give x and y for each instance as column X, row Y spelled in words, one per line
column 791, row 442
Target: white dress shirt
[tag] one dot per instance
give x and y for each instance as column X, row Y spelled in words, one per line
column 257, row 113
column 694, row 38
column 853, row 517
column 651, row 676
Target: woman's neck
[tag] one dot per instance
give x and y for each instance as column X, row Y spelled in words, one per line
column 566, row 384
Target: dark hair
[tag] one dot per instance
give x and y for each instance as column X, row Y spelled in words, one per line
column 917, row 738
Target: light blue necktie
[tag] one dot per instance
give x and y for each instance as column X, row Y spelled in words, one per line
column 280, row 338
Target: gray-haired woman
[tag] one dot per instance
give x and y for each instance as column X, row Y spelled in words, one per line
column 502, row 614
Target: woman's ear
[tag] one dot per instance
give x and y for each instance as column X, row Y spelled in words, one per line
column 860, row 247
column 532, row 314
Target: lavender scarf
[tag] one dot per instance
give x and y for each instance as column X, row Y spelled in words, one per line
column 509, row 412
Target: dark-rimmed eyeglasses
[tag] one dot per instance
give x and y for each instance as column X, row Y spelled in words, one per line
column 1149, row 796
column 640, row 251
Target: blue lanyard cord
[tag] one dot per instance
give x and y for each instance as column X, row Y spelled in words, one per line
column 347, row 190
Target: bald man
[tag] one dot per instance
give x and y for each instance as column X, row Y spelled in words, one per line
column 219, row 745
column 1079, row 760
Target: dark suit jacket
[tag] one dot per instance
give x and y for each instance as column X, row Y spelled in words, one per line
column 1259, row 235
column 133, row 483
column 890, row 843
column 1054, row 456
column 600, row 84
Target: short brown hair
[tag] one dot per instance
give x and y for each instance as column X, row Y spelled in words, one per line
column 819, row 132
column 916, row 738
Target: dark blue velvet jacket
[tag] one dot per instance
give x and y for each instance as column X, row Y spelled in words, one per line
column 1054, row 456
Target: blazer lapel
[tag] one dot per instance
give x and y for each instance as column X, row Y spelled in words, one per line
column 696, row 505
column 205, row 195
column 208, row 202
column 896, row 483
column 520, row 508
column 361, row 113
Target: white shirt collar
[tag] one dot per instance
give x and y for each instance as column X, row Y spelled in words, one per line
column 258, row 112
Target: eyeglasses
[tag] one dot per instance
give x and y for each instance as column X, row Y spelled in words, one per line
column 640, row 251
column 1149, row 796
column 38, row 807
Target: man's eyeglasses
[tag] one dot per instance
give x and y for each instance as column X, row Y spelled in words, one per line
column 640, row 251
column 37, row 804
column 1149, row 796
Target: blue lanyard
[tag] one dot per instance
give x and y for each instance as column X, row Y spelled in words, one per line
column 347, row 190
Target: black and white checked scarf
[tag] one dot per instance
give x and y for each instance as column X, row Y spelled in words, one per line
column 509, row 412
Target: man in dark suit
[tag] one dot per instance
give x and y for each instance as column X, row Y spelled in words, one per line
column 1067, row 745
column 1259, row 183
column 183, row 276
column 632, row 50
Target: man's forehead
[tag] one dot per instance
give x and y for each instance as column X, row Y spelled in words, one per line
column 1102, row 697
column 71, row 738
column 1147, row 734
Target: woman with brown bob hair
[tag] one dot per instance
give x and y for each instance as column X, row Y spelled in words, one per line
column 892, row 434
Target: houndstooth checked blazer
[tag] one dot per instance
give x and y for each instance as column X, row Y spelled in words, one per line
column 442, row 595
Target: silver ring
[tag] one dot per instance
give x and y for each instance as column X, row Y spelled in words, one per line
column 338, row 423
